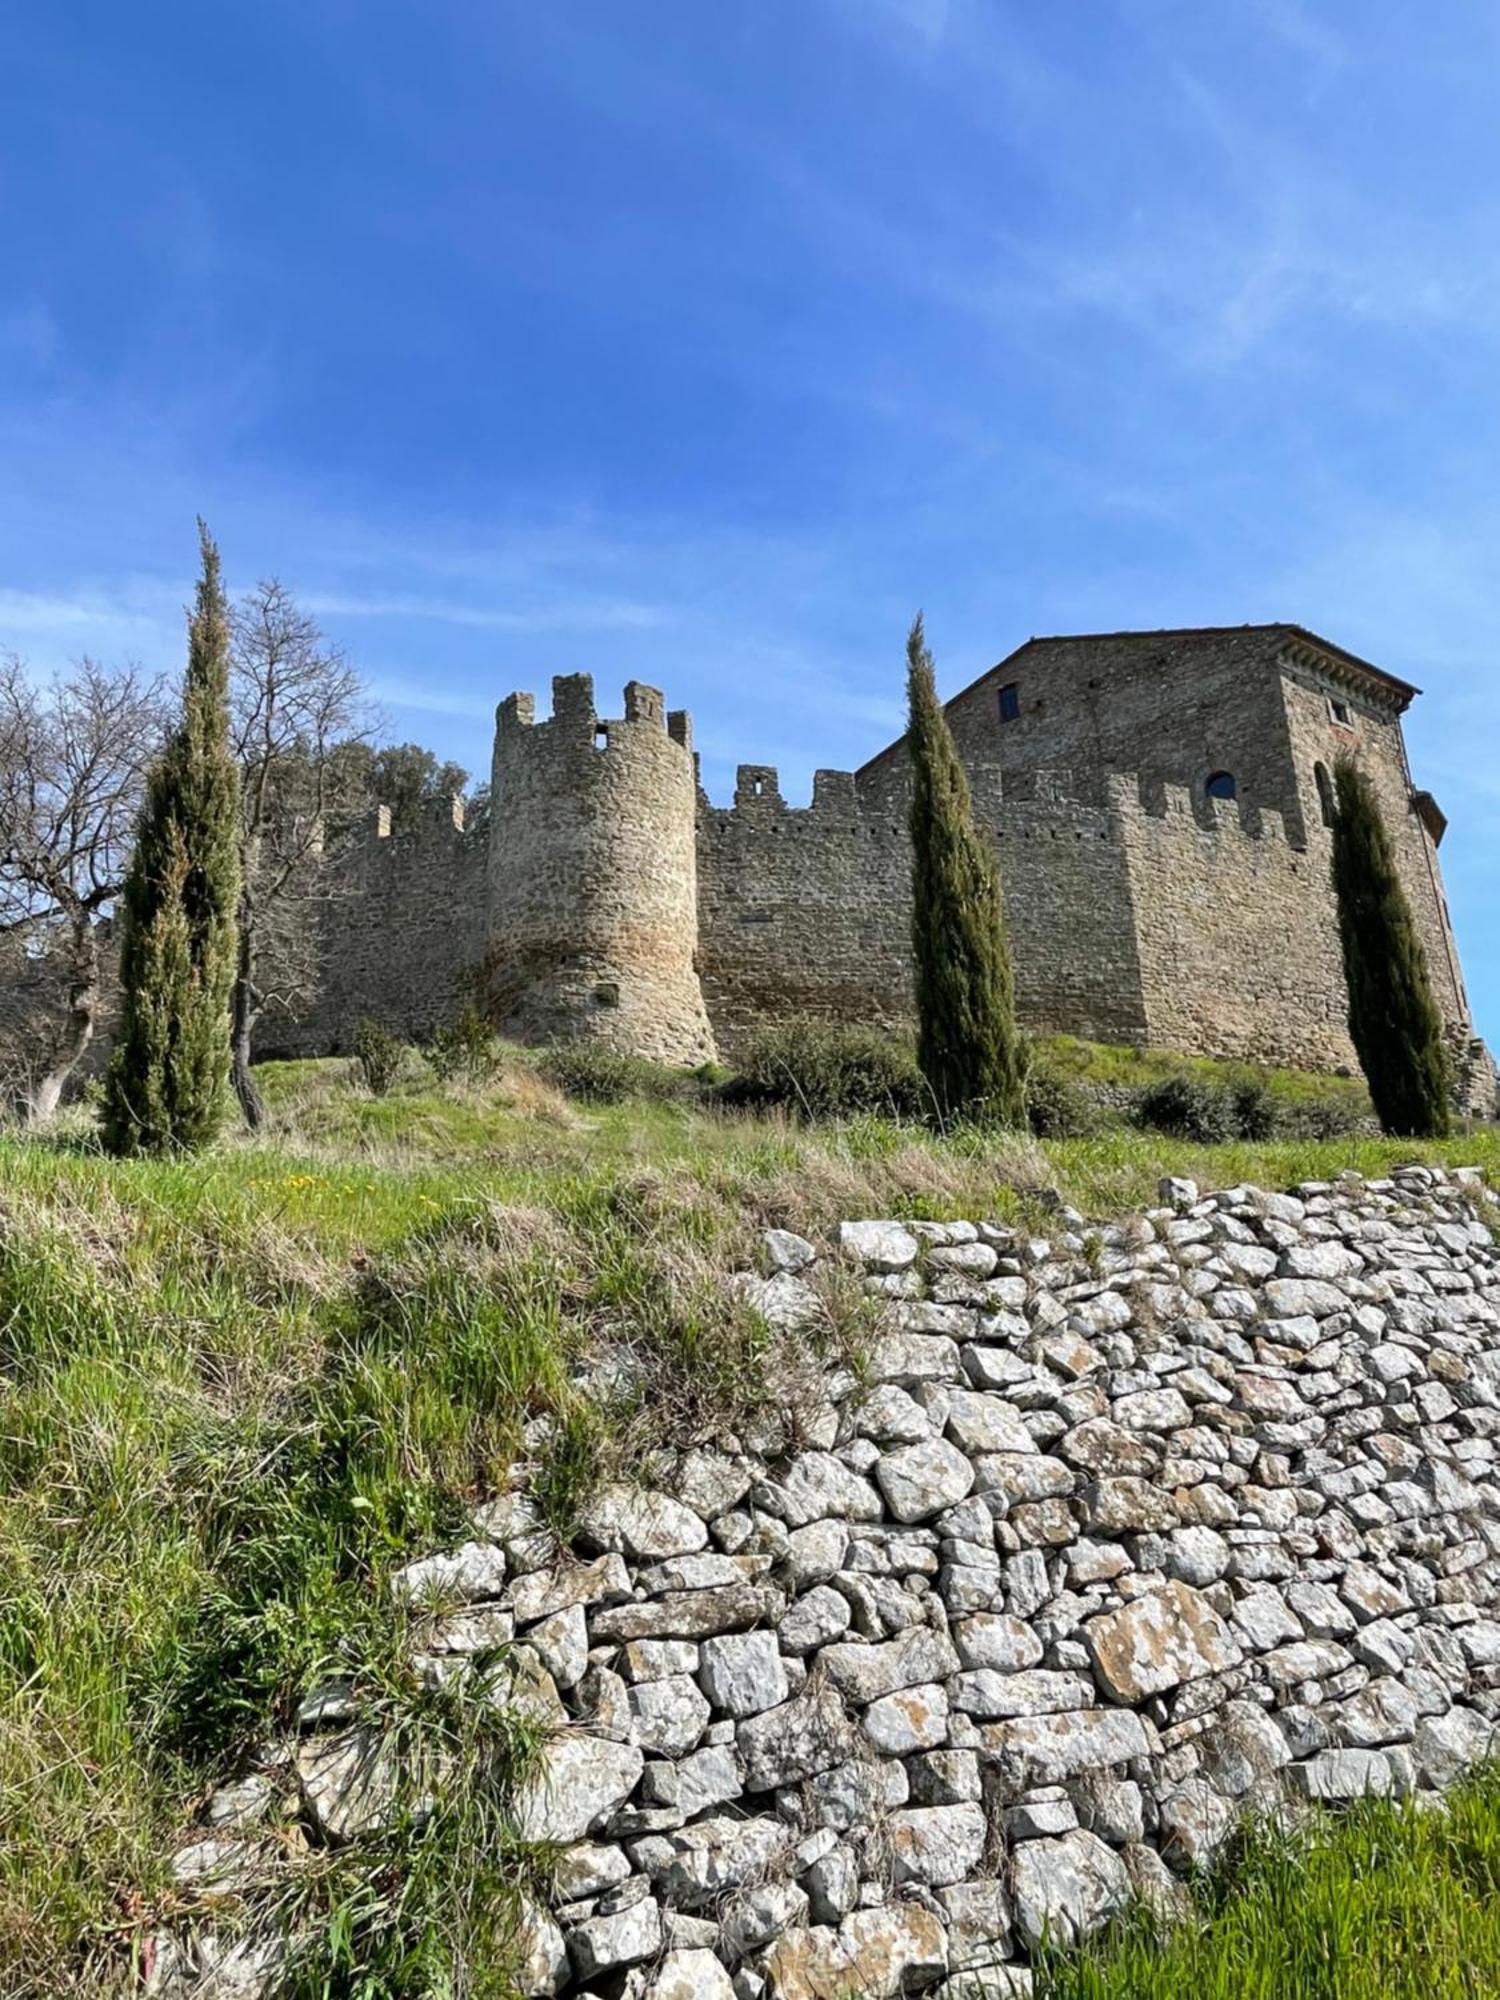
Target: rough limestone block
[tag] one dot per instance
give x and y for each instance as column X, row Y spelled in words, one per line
column 1158, row 1642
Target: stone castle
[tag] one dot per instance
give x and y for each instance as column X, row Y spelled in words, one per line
column 1160, row 803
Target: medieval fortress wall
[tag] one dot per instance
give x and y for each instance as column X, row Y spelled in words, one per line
column 603, row 894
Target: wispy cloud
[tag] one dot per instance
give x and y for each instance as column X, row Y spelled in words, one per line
column 583, row 616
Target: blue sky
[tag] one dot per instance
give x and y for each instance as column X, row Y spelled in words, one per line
column 704, row 342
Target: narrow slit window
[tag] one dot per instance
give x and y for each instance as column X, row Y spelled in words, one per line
column 1220, row 785
column 1325, row 793
column 1010, row 702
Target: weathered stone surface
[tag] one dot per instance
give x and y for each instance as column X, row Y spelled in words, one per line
column 979, row 1423
column 879, row 1246
column 541, row 1957
column 620, row 1937
column 544, row 1592
column 580, row 1781
column 742, row 1672
column 876, row 1954
column 865, row 1673
column 913, row 1719
column 690, row 1975
column 1170, row 1636
column 813, row 1620
column 798, row 1740
column 1048, row 1749
column 936, row 1845
column 1343, row 1774
column 668, row 1717
column 690, row 1614
column 986, row 1693
column 644, row 1525
column 1194, row 1822
column 561, row 1643
column 349, row 1783
column 713, row 1856
column 992, row 1639
column 470, row 1575
column 818, row 1487
column 1062, row 1889
column 923, row 1479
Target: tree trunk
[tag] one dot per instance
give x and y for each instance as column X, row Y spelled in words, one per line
column 40, row 1098
column 243, row 1015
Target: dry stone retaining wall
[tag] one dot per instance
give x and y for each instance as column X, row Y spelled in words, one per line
column 1111, row 1536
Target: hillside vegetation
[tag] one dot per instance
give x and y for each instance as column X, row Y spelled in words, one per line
column 238, row 1391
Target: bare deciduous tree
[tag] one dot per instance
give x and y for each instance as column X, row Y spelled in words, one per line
column 73, row 760
column 294, row 702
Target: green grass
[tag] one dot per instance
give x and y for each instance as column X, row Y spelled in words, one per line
column 1391, row 1902
column 236, row 1392
column 1118, row 1065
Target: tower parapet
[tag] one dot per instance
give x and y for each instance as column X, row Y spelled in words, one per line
column 593, row 889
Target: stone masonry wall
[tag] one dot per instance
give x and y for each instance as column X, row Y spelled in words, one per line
column 392, row 926
column 1376, row 738
column 808, row 911
column 1237, row 933
column 802, row 911
column 1114, row 1534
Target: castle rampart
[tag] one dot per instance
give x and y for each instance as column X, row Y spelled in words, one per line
column 1160, row 805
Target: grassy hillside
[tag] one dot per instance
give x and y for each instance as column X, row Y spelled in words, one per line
column 238, row 1391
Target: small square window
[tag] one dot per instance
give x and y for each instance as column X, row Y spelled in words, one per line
column 1339, row 710
column 1010, row 702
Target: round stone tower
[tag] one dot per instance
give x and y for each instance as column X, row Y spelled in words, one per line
column 593, row 896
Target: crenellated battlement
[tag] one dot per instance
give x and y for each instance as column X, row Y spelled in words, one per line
column 1133, row 799
column 575, row 718
column 758, row 798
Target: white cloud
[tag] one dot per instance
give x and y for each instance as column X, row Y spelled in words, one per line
column 584, row 615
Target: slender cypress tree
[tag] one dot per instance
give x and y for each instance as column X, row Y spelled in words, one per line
column 967, row 1043
column 168, row 1080
column 1393, row 1020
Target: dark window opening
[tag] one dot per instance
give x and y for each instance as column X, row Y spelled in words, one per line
column 1325, row 793
column 1340, row 712
column 1010, row 702
column 1220, row 785
column 606, row 994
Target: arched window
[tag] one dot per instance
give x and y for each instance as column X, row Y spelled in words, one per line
column 1220, row 785
column 1325, row 793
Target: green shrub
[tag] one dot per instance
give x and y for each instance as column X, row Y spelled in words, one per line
column 1059, row 1106
column 1257, row 1113
column 463, row 1050
column 1338, row 1115
column 598, row 1074
column 819, row 1069
column 377, row 1055
column 1189, row 1107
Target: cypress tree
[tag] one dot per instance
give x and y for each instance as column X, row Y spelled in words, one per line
column 1393, row 1020
column 167, row 1082
column 967, row 1044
